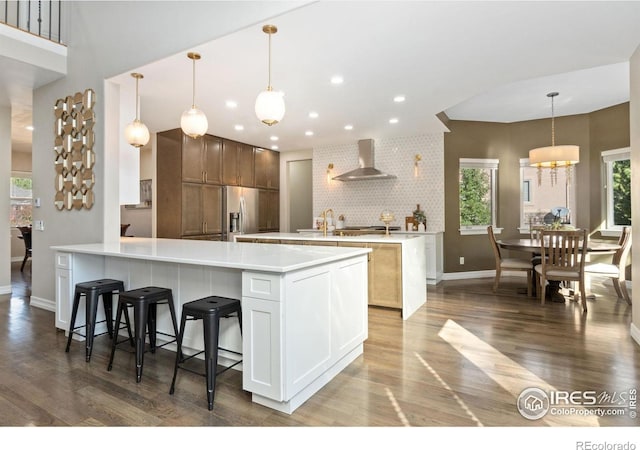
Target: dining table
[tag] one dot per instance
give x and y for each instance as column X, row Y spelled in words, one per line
column 533, row 247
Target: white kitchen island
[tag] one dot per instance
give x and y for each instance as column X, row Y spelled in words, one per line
column 397, row 264
column 304, row 309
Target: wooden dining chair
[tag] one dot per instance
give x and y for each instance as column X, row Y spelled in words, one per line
column 509, row 264
column 617, row 268
column 563, row 255
column 26, row 237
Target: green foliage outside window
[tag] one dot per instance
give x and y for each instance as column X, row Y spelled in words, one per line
column 21, row 208
column 475, row 197
column 622, row 192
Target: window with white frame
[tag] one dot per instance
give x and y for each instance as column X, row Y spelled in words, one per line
column 540, row 201
column 617, row 188
column 478, row 187
column 20, row 200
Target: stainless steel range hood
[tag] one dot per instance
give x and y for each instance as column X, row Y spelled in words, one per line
column 366, row 171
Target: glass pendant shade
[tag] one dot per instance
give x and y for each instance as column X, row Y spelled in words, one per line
column 269, row 103
column 194, row 123
column 137, row 133
column 270, row 107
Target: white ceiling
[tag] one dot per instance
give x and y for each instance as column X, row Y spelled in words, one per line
column 492, row 61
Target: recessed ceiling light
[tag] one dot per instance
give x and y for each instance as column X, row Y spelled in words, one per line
column 29, row 127
column 274, row 147
column 399, row 98
column 274, row 138
column 231, row 104
column 238, row 127
column 308, row 133
column 313, row 115
column 393, row 120
column 348, row 127
column 337, row 79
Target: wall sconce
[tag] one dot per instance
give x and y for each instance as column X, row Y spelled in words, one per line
column 329, row 170
column 416, row 160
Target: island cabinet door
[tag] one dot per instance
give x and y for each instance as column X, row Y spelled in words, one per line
column 64, row 289
column 262, row 371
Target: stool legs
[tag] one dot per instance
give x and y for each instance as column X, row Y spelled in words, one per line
column 183, row 321
column 91, row 310
column 140, row 315
column 74, row 313
column 211, row 322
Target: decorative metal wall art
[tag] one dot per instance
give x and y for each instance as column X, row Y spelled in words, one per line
column 74, row 155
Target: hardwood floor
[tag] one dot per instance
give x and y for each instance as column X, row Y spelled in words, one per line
column 462, row 360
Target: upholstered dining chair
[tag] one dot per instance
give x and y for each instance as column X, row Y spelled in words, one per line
column 563, row 255
column 509, row 264
column 617, row 268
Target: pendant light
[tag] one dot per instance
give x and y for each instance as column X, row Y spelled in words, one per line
column 136, row 132
column 193, row 121
column 270, row 104
column 555, row 156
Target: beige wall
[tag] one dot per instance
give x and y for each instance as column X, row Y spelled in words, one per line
column 601, row 130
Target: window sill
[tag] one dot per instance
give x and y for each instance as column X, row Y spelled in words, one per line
column 470, row 231
column 610, row 233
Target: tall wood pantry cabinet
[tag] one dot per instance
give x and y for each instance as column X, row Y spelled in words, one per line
column 189, row 198
column 191, row 175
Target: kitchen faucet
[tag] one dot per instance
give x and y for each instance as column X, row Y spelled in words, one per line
column 324, row 220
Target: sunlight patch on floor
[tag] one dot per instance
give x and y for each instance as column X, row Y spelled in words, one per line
column 396, row 407
column 510, row 375
column 462, row 404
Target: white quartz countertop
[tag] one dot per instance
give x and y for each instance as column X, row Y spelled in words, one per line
column 235, row 255
column 392, row 239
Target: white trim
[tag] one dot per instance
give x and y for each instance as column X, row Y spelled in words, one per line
column 478, row 229
column 478, row 274
column 635, row 333
column 618, row 154
column 5, row 290
column 43, row 303
column 478, row 163
column 611, row 232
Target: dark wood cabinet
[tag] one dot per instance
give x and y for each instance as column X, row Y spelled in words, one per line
column 238, row 164
column 202, row 159
column 189, row 198
column 267, row 169
column 201, row 210
column 269, row 210
column 190, row 176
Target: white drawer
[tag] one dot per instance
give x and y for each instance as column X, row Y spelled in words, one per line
column 63, row 260
column 265, row 286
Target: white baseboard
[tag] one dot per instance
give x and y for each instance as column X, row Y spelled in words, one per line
column 17, row 259
column 635, row 333
column 43, row 303
column 5, row 289
column 468, row 275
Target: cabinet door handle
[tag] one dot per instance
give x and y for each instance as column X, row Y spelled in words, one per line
column 202, row 176
column 206, row 178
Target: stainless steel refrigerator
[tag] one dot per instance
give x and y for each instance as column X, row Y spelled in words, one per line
column 239, row 211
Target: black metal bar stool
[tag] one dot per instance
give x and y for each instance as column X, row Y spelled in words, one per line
column 144, row 302
column 91, row 291
column 210, row 310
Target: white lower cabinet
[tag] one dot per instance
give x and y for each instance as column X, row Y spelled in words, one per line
column 261, row 372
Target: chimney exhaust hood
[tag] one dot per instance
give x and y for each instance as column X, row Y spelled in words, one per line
column 366, row 171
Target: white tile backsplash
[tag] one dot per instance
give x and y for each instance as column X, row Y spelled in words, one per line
column 362, row 201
